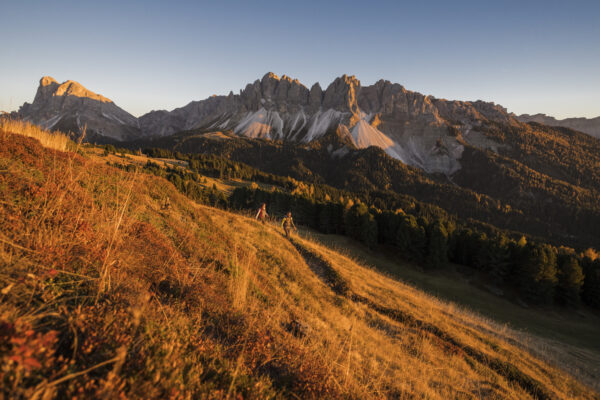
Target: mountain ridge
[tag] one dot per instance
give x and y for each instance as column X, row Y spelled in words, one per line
column 419, row 130
column 591, row 126
column 407, row 125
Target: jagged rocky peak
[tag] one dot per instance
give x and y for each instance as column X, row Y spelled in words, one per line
column 50, row 87
column 71, row 107
column 374, row 97
column 284, row 89
column 341, row 94
column 47, row 81
column 315, row 97
column 409, row 126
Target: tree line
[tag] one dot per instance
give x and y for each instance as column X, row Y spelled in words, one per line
column 541, row 273
column 419, row 232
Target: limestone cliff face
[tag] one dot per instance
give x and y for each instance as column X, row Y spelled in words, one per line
column 419, row 130
column 408, row 125
column 71, row 107
column 591, row 126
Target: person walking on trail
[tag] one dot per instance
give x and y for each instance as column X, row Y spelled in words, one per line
column 262, row 215
column 288, row 224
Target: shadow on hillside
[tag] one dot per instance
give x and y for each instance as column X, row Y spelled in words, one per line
column 330, row 277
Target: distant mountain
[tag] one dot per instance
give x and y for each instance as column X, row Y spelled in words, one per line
column 591, row 126
column 434, row 135
column 70, row 107
column 418, row 130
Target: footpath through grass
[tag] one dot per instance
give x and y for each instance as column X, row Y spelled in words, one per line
column 578, row 328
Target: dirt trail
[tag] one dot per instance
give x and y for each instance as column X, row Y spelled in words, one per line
column 330, row 277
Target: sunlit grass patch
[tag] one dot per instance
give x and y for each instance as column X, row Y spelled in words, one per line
column 54, row 140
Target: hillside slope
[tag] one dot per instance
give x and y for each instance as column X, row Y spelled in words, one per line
column 550, row 193
column 106, row 292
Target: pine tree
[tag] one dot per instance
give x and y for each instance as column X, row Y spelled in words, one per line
column 591, row 282
column 387, row 225
column 326, row 218
column 360, row 224
column 437, row 246
column 500, row 259
column 403, row 235
column 369, row 231
column 411, row 239
column 457, row 246
column 482, row 252
column 537, row 271
column 570, row 281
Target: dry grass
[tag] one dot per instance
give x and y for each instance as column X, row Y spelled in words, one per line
column 536, row 329
column 53, row 140
column 203, row 303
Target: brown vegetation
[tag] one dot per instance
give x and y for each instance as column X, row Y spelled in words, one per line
column 51, row 140
column 106, row 294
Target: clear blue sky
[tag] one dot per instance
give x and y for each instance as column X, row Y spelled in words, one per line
column 530, row 56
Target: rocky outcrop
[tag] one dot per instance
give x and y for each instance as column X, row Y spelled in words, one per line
column 591, row 126
column 419, row 130
column 407, row 125
column 70, row 107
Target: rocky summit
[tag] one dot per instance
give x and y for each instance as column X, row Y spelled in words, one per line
column 70, row 107
column 418, row 130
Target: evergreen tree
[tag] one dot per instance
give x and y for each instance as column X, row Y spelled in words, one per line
column 351, row 221
column 411, row 239
column 482, row 252
column 591, row 282
column 463, row 247
column 570, row 281
column 360, row 224
column 326, row 218
column 437, row 246
column 338, row 218
column 387, row 225
column 537, row 273
column 369, row 231
column 500, row 259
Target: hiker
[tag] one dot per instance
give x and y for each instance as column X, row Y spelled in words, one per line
column 262, row 215
column 288, row 224
column 166, row 204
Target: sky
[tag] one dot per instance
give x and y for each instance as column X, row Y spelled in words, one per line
column 529, row 56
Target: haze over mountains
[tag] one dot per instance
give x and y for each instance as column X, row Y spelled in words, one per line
column 591, row 126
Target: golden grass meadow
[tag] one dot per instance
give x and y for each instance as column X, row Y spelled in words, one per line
column 107, row 293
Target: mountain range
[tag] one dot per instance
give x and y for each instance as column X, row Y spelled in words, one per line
column 418, row 130
column 473, row 159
